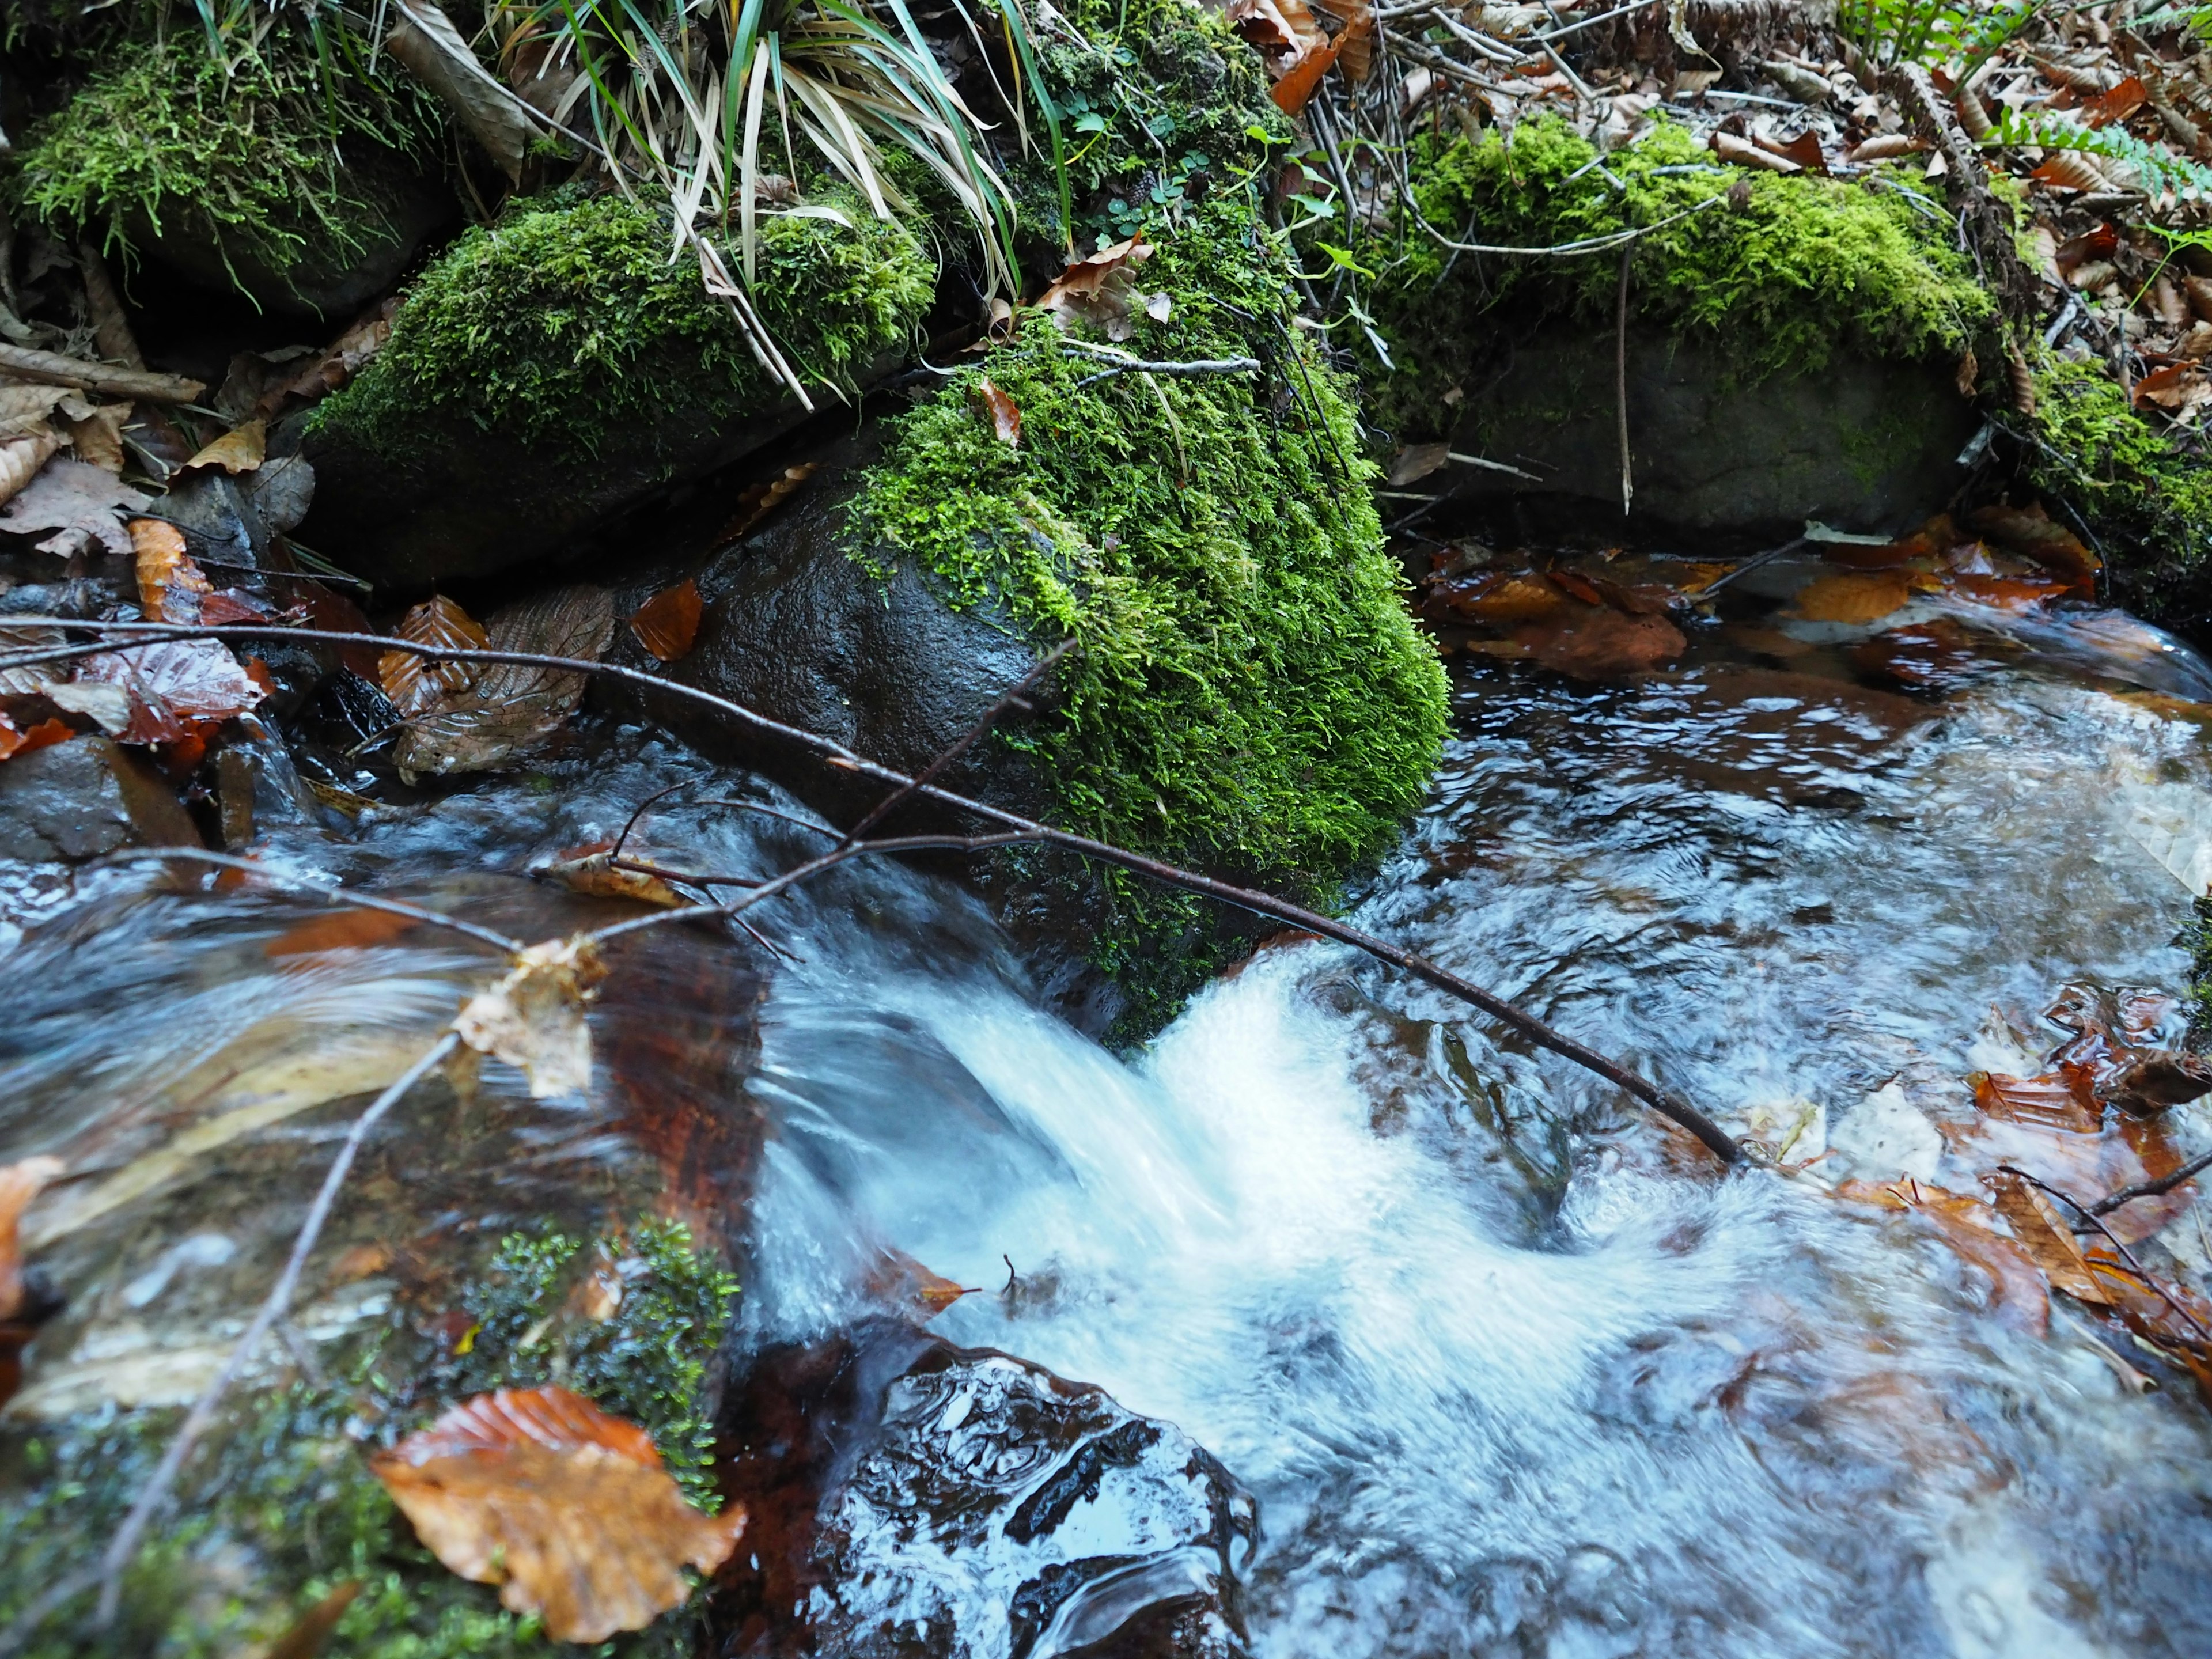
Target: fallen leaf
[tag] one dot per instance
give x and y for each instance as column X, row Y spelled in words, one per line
column 331, row 613
column 512, row 706
column 1415, row 462
column 567, row 1509
column 589, row 869
column 44, row 734
column 19, row 1318
column 1601, row 644
column 2067, row 169
column 897, row 1278
column 2034, row 534
column 2049, row 1242
column 434, row 52
column 2064, row 1099
column 1744, row 153
column 534, row 1017
column 74, row 499
column 170, row 585
column 175, row 687
column 2161, row 1079
column 2014, row 593
column 1885, row 147
column 417, row 685
column 667, row 624
column 757, row 500
column 20, row 458
column 1004, row 417
column 2169, row 388
column 97, row 437
column 1500, row 598
column 1097, row 290
column 1804, row 150
column 2122, row 101
column 108, row 707
column 358, row 929
column 314, row 1628
column 241, row 449
column 345, row 358
column 1970, row 1228
column 2099, row 243
column 231, row 605
column 1356, row 47
column 1938, row 654
column 1854, row 598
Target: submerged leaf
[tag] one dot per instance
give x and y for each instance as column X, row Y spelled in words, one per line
column 566, row 1507
column 417, row 685
column 756, row 502
column 512, row 706
column 176, row 688
column 1853, row 597
column 534, row 1017
column 667, row 624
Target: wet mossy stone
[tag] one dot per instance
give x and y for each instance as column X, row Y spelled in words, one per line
column 547, row 372
column 307, row 188
column 1794, row 344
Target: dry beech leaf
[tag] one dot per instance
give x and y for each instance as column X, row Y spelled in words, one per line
column 2070, row 170
column 97, row 437
column 567, row 1509
column 757, row 500
column 1804, row 150
column 2169, row 388
column 534, row 1017
column 590, row 869
column 74, row 499
column 2122, row 101
column 171, row 587
column 512, row 706
column 425, row 39
column 1415, row 462
column 1885, row 147
column 241, row 449
column 1000, row 411
column 1744, row 153
column 20, row 458
column 1854, row 597
column 667, row 624
column 417, row 684
column 1098, row 290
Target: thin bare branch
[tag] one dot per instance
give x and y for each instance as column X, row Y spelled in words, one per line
column 2165, row 1183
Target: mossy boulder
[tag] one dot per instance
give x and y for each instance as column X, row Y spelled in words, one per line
column 548, row 370
column 1794, row 344
column 281, row 174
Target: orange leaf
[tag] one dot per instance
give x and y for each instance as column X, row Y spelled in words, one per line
column 1006, row 417
column 1969, row 1226
column 757, row 500
column 415, row 685
column 2050, row 1242
column 1295, row 88
column 170, row 585
column 2034, row 534
column 898, row 1277
column 342, row 929
column 2063, row 1099
column 2122, row 101
column 589, row 869
column 13, row 742
column 1804, row 150
column 239, row 450
column 567, row 1509
column 1096, row 289
column 1356, row 46
column 2169, row 387
column 258, row 671
column 2069, row 170
column 667, row 623
column 1857, row 597
column 1501, row 599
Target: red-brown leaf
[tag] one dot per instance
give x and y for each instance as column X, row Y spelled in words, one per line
column 415, row 685
column 667, row 624
column 1006, row 417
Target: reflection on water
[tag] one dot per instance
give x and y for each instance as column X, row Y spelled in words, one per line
column 1508, row 1370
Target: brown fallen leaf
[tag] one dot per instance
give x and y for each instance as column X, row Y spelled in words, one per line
column 359, row 929
column 15, row 741
column 1804, row 150
column 1938, row 654
column 417, row 685
column 97, row 435
column 1000, row 411
column 22, row 456
column 1853, row 597
column 2034, row 534
column 899, row 1279
column 2040, row 1230
column 1500, row 598
column 2122, row 101
column 313, row 1629
column 512, row 706
column 346, row 356
column 1356, row 47
column 178, row 688
column 2160, row 1079
column 241, row 449
column 2064, row 1099
column 19, row 1318
column 667, row 624
column 589, row 869
column 2069, row 169
column 1971, row 1228
column 567, row 1509
column 1415, row 462
column 2170, row 388
column 1097, row 290
column 1599, row 644
column 1885, row 147
column 534, row 1018
column 76, row 500
column 170, row 585
column 1745, row 153
column 756, row 502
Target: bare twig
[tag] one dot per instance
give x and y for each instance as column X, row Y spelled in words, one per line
column 330, row 889
column 623, row 840
column 2165, row 1183
column 1187, row 371
column 1568, row 249
column 128, row 1537
column 136, row 634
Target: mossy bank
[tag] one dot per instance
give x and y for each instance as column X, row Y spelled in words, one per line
column 278, row 1508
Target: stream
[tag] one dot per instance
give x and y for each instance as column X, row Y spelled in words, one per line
column 1506, row 1368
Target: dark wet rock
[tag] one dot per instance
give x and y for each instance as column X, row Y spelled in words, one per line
column 75, row 800
column 797, row 630
column 912, row 1498
column 1863, row 446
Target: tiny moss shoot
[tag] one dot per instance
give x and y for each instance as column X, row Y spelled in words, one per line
column 1250, row 691
column 281, row 1509
column 567, row 324
column 252, row 155
column 1804, row 269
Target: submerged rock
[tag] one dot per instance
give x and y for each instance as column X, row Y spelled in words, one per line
column 75, row 800
column 910, row 1497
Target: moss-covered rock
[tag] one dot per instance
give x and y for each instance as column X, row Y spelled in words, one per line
column 547, row 370
column 279, row 170
column 1247, row 693
column 2147, row 500
column 279, row 1507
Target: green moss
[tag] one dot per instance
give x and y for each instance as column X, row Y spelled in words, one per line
column 567, row 324
column 1805, row 269
column 280, row 1507
column 1249, row 692
column 2147, row 500
column 259, row 158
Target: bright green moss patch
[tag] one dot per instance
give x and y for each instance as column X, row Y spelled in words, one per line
column 256, row 160
column 280, row 1507
column 1806, row 268
column 2147, row 500
column 567, row 323
column 1249, row 690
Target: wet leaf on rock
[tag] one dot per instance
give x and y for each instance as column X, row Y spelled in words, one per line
column 899, row 1279
column 417, row 685
column 15, row 741
column 756, row 502
column 667, row 624
column 567, row 1509
column 1853, row 597
column 533, row 1019
column 177, row 687
column 590, row 869
column 75, row 499
column 2034, row 535
column 514, row 705
column 171, row 587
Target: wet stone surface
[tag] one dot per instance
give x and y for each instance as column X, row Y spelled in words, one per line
column 910, row 1497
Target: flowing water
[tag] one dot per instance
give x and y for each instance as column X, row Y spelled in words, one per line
column 1510, row 1370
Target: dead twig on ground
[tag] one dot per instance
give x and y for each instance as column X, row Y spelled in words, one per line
column 123, row 637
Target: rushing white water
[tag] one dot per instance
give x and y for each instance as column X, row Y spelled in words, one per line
column 1537, row 1392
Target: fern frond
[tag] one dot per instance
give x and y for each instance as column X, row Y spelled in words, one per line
column 2154, row 171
